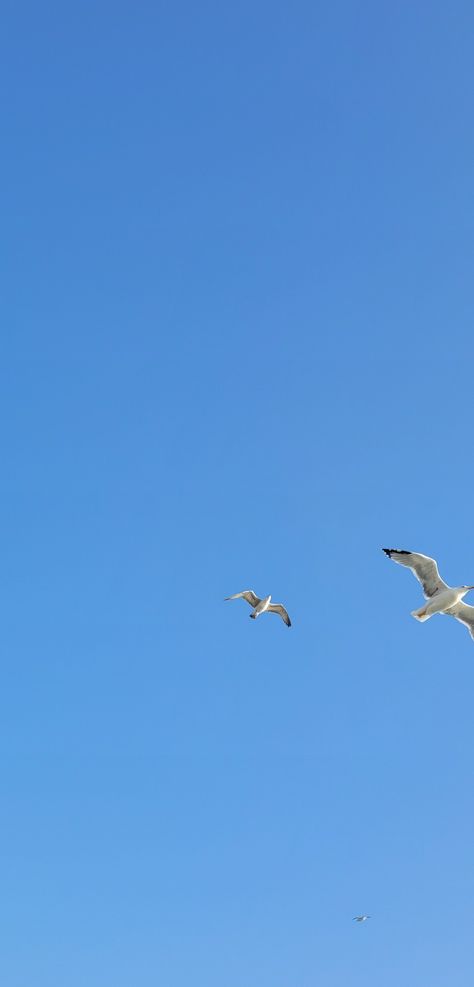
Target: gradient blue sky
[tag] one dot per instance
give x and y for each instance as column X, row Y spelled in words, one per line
column 237, row 350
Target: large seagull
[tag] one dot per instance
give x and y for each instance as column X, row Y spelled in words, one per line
column 441, row 597
column 261, row 606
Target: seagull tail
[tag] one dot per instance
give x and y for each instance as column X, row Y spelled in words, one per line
column 421, row 614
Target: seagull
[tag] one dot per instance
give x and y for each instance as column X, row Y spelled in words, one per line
column 261, row 606
column 360, row 918
column 441, row 597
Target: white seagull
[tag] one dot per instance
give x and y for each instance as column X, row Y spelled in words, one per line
column 441, row 597
column 360, row 918
column 261, row 606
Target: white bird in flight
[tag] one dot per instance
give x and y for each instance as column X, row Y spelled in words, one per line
column 360, row 918
column 261, row 606
column 441, row 597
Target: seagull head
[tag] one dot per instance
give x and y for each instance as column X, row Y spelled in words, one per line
column 466, row 588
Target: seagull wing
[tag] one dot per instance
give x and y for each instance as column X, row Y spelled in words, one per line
column 247, row 594
column 279, row 609
column 424, row 568
column 465, row 615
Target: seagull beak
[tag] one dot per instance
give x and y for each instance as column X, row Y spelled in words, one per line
column 470, row 587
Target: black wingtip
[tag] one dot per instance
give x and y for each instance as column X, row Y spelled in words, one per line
column 397, row 551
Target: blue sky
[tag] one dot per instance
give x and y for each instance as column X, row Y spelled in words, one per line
column 237, row 351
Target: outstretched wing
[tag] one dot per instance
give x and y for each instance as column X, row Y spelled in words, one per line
column 424, row 568
column 247, row 594
column 279, row 609
column 465, row 615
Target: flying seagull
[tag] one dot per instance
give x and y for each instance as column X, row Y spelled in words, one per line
column 261, row 606
column 441, row 597
column 360, row 918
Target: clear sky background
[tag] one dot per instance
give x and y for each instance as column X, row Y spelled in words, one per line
column 237, row 351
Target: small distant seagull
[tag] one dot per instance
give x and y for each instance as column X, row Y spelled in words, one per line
column 360, row 918
column 442, row 598
column 261, row 606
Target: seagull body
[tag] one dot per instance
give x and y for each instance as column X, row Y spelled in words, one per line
column 360, row 918
column 261, row 605
column 441, row 597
